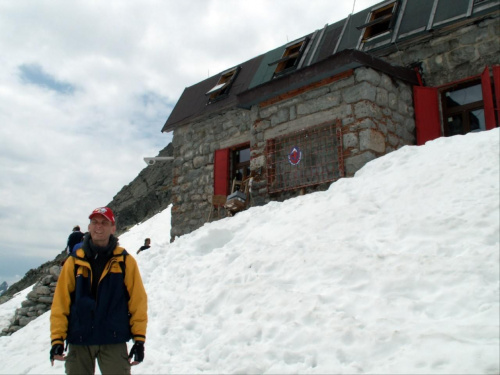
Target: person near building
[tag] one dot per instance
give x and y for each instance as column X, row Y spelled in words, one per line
column 99, row 304
column 147, row 245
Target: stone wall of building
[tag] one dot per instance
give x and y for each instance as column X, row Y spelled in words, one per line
column 452, row 55
column 194, row 148
column 376, row 113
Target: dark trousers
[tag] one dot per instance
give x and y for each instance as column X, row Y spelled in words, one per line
column 112, row 359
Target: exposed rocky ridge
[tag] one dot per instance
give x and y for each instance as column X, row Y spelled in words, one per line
column 32, row 276
column 144, row 197
column 148, row 194
column 3, row 287
column 39, row 299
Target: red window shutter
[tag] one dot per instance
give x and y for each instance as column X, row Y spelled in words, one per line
column 427, row 121
column 221, row 172
column 496, row 80
column 489, row 112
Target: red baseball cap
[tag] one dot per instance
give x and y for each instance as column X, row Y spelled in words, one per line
column 104, row 211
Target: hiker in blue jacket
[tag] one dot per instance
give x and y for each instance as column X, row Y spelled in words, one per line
column 75, row 237
column 147, row 245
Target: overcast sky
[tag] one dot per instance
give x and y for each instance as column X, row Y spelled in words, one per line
column 86, row 86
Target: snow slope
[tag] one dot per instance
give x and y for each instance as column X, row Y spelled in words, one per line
column 394, row 271
column 7, row 308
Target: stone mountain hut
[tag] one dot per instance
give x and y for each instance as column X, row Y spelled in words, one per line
column 297, row 118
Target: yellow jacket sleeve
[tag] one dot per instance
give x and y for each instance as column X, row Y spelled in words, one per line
column 61, row 302
column 138, row 302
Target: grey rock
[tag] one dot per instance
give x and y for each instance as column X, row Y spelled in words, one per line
column 45, row 299
column 27, row 303
column 46, row 280
column 42, row 290
column 55, row 271
column 25, row 320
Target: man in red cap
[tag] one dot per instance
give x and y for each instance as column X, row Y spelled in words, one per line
column 99, row 304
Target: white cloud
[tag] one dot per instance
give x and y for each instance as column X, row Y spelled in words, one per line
column 128, row 62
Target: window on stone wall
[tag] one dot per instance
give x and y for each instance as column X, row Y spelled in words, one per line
column 466, row 106
column 231, row 164
column 463, row 108
column 221, row 89
column 309, row 157
column 240, row 166
column 290, row 58
column 380, row 21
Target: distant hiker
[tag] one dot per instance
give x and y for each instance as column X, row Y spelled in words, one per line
column 79, row 244
column 75, row 237
column 99, row 304
column 146, row 246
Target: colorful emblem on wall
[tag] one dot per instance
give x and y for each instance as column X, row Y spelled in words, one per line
column 295, row 156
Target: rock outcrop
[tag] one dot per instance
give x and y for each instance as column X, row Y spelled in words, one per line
column 39, row 299
column 32, row 276
column 37, row 303
column 147, row 195
column 3, row 287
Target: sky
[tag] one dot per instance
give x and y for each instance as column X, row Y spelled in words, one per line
column 393, row 271
column 86, row 87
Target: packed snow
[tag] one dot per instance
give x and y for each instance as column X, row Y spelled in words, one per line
column 393, row 271
column 7, row 308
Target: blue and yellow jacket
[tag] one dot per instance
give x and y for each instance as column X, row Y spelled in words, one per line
column 118, row 313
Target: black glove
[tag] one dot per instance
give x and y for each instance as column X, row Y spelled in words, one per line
column 137, row 351
column 57, row 349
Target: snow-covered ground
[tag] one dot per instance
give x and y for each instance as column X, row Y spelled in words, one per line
column 7, row 309
column 394, row 271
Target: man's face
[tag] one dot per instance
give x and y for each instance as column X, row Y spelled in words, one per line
column 100, row 229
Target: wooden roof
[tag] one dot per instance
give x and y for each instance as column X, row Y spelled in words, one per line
column 331, row 50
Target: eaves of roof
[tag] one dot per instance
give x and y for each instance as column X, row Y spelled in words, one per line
column 333, row 50
column 329, row 67
column 193, row 103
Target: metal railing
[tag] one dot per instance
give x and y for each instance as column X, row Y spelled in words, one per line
column 307, row 157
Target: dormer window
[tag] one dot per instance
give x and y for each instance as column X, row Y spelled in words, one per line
column 221, row 89
column 290, row 58
column 380, row 21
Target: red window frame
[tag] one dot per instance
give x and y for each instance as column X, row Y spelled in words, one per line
column 427, row 118
column 489, row 112
column 496, row 81
column 221, row 171
column 226, row 167
column 427, row 105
